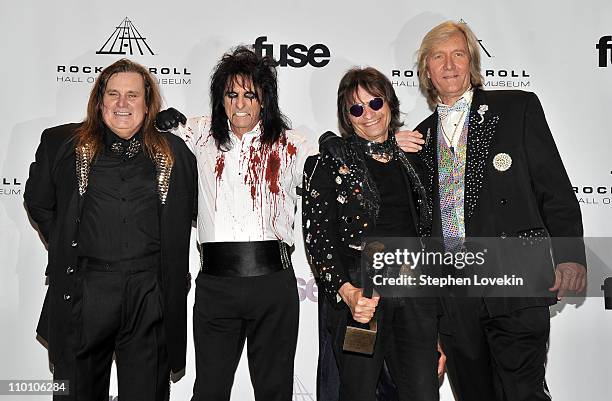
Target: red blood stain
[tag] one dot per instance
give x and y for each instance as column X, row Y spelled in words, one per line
column 219, row 165
column 254, row 167
column 272, row 171
column 253, row 173
column 291, row 149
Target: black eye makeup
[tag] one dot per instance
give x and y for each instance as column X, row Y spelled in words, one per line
column 247, row 95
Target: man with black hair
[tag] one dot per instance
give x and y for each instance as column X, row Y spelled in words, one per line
column 250, row 164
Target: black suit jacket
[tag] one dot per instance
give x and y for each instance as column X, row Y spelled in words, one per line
column 53, row 201
column 534, row 195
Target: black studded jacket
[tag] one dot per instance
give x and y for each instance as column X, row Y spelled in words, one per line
column 340, row 205
column 530, row 195
column 53, row 200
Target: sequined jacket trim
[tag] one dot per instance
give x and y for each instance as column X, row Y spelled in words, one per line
column 52, row 198
column 340, row 206
column 481, row 132
column 162, row 167
column 529, row 197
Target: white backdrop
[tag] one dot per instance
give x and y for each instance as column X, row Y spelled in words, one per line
column 50, row 51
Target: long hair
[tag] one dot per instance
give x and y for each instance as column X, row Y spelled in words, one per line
column 439, row 34
column 373, row 82
column 90, row 133
column 244, row 63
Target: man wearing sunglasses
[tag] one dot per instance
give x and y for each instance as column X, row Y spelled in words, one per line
column 357, row 109
column 249, row 164
column 497, row 146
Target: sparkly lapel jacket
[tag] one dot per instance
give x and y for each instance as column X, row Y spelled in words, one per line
column 515, row 182
column 340, row 204
column 53, row 196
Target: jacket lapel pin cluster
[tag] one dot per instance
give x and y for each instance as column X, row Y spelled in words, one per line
column 482, row 126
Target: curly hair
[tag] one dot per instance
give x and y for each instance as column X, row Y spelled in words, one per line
column 240, row 65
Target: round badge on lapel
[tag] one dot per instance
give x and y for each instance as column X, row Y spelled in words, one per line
column 502, row 161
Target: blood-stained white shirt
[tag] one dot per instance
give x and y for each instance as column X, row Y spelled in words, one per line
column 247, row 193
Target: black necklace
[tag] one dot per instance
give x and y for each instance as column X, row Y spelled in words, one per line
column 382, row 151
column 127, row 149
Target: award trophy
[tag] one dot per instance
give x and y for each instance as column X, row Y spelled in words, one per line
column 361, row 337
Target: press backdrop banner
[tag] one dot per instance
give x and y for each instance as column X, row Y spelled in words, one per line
column 53, row 51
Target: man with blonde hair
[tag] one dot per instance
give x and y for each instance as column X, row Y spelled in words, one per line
column 494, row 171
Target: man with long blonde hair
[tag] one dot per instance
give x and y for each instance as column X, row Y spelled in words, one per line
column 494, row 171
column 114, row 200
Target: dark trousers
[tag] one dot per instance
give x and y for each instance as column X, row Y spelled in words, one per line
column 116, row 310
column 406, row 341
column 328, row 378
column 262, row 310
column 498, row 358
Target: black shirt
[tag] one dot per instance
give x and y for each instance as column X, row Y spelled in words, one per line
column 120, row 218
column 394, row 217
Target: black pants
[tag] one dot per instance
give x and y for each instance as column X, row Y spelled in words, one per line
column 498, row 358
column 117, row 310
column 406, row 341
column 328, row 378
column 262, row 310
